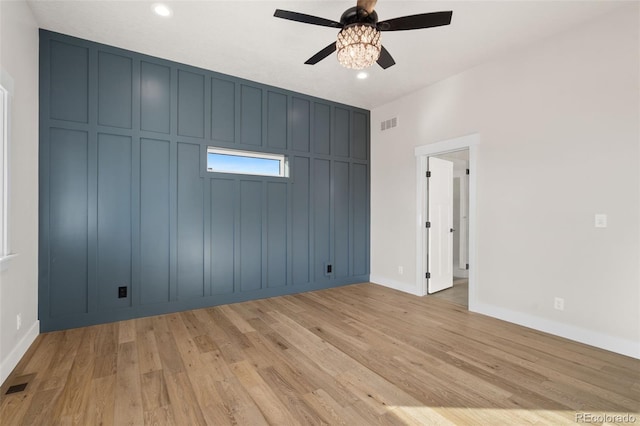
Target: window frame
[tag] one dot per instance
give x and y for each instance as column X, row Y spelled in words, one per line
column 4, row 172
column 281, row 158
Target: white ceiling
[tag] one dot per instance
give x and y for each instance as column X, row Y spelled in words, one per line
column 242, row 38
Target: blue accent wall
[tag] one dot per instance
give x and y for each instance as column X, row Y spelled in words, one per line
column 126, row 201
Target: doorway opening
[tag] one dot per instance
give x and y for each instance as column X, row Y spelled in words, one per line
column 446, row 219
column 457, row 288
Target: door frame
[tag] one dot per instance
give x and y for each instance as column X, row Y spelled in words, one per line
column 463, row 199
column 422, row 152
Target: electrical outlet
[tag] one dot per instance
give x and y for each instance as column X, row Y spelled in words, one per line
column 601, row 220
column 558, row 303
column 18, row 321
column 122, row 292
column 400, row 270
column 329, row 269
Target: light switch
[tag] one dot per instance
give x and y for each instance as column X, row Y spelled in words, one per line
column 601, row 220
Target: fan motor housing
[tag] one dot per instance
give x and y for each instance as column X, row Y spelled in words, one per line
column 358, row 15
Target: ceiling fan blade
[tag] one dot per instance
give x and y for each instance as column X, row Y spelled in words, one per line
column 385, row 60
column 367, row 5
column 414, row 22
column 306, row 19
column 321, row 54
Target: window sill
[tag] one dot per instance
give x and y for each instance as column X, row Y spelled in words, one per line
column 5, row 260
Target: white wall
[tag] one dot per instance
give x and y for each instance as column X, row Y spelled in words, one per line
column 19, row 275
column 559, row 128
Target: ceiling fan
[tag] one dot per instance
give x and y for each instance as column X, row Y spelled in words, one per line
column 358, row 42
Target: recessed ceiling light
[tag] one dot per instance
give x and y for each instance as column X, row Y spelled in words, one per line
column 362, row 75
column 162, row 10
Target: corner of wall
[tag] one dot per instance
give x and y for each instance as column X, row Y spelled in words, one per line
column 9, row 363
column 396, row 285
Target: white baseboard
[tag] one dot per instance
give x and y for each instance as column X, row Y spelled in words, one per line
column 396, row 285
column 460, row 273
column 571, row 332
column 578, row 334
column 9, row 363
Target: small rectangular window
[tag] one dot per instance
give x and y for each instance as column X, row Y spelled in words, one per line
column 246, row 162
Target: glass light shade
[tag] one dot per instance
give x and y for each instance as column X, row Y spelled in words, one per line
column 358, row 46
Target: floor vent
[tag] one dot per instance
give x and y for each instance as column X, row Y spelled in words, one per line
column 16, row 388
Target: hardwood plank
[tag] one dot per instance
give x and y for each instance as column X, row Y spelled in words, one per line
column 126, row 331
column 128, row 405
column 187, row 348
column 62, row 360
column 236, row 319
column 268, row 355
column 231, row 341
column 271, row 407
column 148, row 354
column 78, row 384
column 154, row 391
column 99, row 408
column 330, row 410
column 186, row 410
column 167, row 349
column 205, row 343
column 159, row 416
column 235, row 402
column 41, row 407
column 107, row 339
column 282, row 386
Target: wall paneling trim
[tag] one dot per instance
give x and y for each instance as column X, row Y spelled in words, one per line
column 127, row 206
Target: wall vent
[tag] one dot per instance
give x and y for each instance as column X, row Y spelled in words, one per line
column 388, row 124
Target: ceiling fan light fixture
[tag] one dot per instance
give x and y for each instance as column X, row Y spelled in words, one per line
column 358, row 46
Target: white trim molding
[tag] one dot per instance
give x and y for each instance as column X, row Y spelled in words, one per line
column 603, row 341
column 394, row 284
column 11, row 361
column 448, row 145
column 5, row 116
column 4, row 261
column 471, row 143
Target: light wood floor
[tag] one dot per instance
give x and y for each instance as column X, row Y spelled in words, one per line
column 356, row 355
column 458, row 294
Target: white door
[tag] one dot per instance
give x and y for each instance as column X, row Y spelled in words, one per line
column 463, row 232
column 440, row 224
